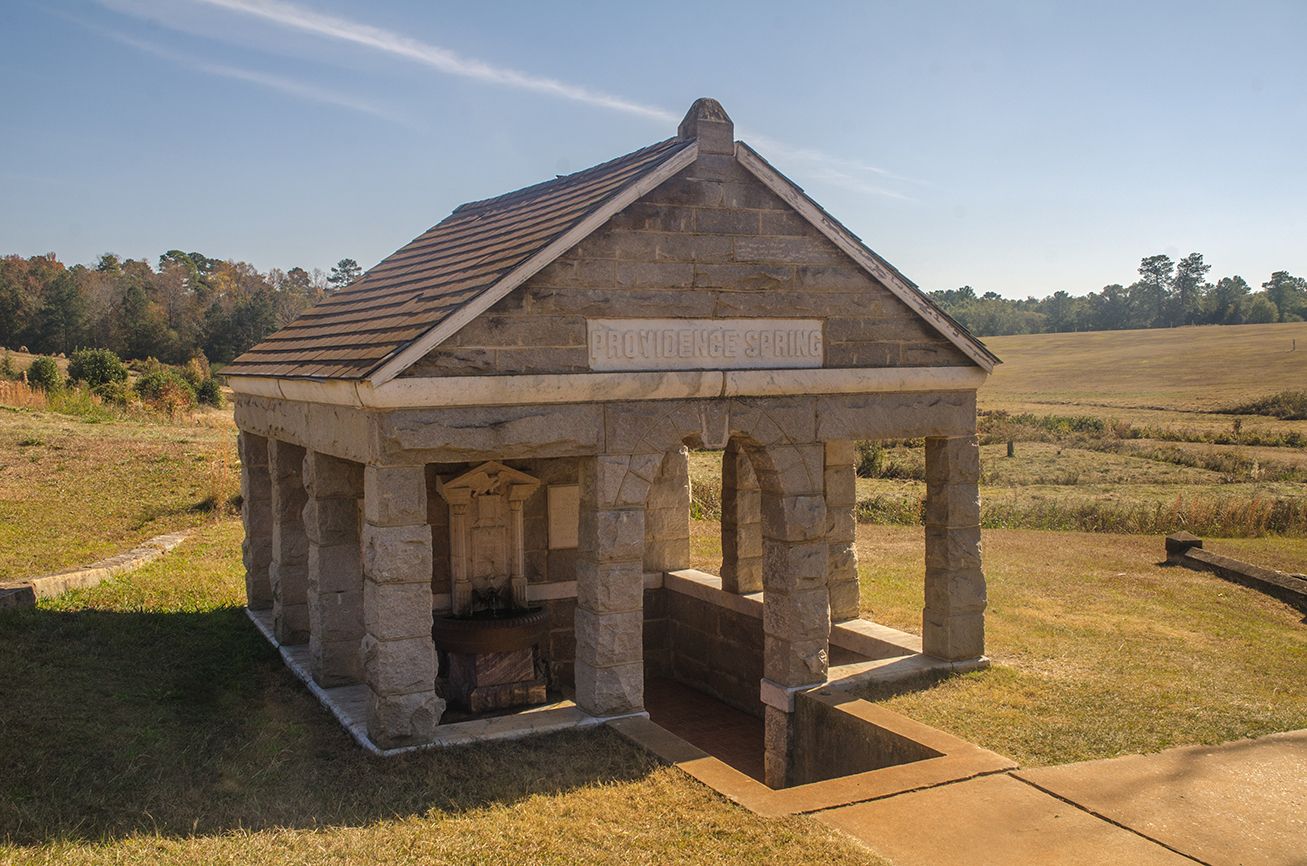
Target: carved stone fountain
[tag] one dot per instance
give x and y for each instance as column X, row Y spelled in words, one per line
column 492, row 632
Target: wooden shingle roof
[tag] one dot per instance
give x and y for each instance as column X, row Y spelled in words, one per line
column 446, row 270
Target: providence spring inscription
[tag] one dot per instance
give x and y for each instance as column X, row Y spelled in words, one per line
column 704, row 344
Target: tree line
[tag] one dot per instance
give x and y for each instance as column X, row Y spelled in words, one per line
column 1167, row 294
column 186, row 305
column 190, row 303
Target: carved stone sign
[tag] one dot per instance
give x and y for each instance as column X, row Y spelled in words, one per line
column 704, row 344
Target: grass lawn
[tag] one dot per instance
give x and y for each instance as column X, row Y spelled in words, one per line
column 146, row 721
column 73, row 491
column 1098, row 650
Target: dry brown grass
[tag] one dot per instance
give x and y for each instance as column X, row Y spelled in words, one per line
column 21, row 396
column 1204, row 368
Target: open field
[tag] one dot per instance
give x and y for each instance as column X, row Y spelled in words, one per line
column 73, row 491
column 1182, row 369
column 146, row 721
column 22, row 360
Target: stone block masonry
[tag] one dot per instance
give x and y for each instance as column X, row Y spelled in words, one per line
column 399, row 657
column 840, row 480
column 256, row 519
column 953, row 622
column 711, row 243
column 288, row 571
column 335, row 569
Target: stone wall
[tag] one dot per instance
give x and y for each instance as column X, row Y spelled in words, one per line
column 712, row 242
column 715, row 649
column 836, row 735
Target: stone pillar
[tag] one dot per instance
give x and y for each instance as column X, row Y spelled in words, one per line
column 841, row 530
column 667, row 515
column 256, row 516
column 290, row 546
column 741, row 523
column 610, row 583
column 517, row 496
column 796, row 609
column 460, row 583
column 335, row 578
column 399, row 657
column 953, row 623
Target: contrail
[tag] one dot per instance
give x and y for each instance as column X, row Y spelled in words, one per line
column 262, row 79
column 835, row 170
column 442, row 59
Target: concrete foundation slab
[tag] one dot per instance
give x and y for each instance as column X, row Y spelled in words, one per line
column 992, row 820
column 1241, row 802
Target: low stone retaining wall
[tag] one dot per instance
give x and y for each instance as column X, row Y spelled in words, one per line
column 24, row 593
column 1187, row 550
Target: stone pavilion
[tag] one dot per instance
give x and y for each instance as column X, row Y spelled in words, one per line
column 491, row 429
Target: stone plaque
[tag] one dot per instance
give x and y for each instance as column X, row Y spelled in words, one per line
column 564, row 503
column 704, row 344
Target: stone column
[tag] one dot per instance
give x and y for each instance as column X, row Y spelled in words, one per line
column 953, row 623
column 796, row 609
column 256, row 516
column 741, row 523
column 460, row 582
column 335, row 580
column 290, row 546
column 399, row 657
column 610, row 583
column 667, row 515
column 841, row 530
column 517, row 496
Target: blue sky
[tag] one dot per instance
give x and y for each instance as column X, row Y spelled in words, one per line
column 1017, row 147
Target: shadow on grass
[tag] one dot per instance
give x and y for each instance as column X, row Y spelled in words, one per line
column 114, row 723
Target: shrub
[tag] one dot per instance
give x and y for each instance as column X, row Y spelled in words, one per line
column 209, row 394
column 118, row 393
column 197, row 371
column 44, row 375
column 166, row 390
column 7, row 369
column 79, row 401
column 1289, row 405
column 96, row 367
column 871, row 459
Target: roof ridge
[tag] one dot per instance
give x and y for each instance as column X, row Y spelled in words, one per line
column 561, row 180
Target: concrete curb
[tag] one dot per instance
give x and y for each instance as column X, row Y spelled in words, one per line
column 24, row 593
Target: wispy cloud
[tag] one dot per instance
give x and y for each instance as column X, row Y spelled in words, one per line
column 847, row 173
column 442, row 59
column 287, row 86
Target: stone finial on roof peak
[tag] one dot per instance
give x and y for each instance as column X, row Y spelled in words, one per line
column 708, row 122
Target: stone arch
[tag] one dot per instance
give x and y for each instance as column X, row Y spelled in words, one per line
column 796, row 604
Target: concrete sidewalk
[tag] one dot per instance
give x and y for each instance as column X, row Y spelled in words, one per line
column 1239, row 803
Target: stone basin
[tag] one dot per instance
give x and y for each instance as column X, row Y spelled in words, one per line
column 490, row 633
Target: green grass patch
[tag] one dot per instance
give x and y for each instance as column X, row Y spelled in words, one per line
column 72, row 492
